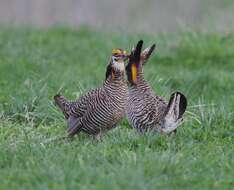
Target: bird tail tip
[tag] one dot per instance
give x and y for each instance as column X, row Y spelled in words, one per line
column 174, row 112
column 178, row 103
column 62, row 103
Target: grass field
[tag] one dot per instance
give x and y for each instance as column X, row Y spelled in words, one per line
column 36, row 64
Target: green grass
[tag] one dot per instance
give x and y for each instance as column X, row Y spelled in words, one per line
column 36, row 64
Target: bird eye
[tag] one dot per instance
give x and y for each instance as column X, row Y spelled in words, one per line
column 116, row 59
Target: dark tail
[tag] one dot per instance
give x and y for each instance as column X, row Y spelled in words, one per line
column 177, row 98
column 63, row 104
column 174, row 112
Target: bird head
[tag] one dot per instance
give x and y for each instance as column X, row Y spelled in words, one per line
column 118, row 59
column 117, row 62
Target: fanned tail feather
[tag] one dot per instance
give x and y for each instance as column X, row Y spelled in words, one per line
column 174, row 112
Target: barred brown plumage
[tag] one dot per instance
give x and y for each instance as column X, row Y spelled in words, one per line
column 102, row 108
column 145, row 110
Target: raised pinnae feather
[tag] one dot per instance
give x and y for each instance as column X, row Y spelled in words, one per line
column 147, row 111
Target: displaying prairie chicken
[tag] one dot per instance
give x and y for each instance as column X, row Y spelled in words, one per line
column 100, row 109
column 144, row 109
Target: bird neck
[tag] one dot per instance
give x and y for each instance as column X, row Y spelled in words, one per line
column 115, row 77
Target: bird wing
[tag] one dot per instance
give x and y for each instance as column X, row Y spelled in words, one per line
column 86, row 112
column 74, row 125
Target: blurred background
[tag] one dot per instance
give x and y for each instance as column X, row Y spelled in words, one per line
column 149, row 16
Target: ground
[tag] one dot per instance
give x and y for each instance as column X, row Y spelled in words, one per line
column 36, row 64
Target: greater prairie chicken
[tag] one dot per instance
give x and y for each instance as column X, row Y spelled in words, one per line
column 145, row 110
column 100, row 109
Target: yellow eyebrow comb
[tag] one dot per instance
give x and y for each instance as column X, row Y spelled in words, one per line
column 116, row 51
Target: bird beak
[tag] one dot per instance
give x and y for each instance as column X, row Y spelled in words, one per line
column 125, row 55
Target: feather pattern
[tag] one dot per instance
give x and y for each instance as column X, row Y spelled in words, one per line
column 100, row 109
column 144, row 109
